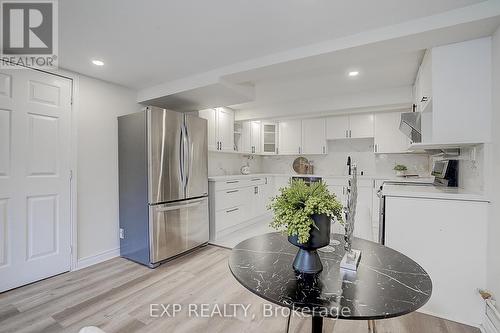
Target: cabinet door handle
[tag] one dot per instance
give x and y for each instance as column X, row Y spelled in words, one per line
column 346, row 133
column 256, row 190
column 232, row 181
column 255, row 179
column 299, row 150
column 232, row 210
column 233, row 191
column 350, row 133
column 221, row 145
column 324, row 149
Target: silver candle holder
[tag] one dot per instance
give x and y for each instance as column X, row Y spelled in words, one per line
column 351, row 258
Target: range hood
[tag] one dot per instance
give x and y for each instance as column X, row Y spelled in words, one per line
column 411, row 126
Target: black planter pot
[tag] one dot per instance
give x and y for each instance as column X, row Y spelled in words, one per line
column 307, row 259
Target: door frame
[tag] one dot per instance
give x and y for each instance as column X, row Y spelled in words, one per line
column 75, row 80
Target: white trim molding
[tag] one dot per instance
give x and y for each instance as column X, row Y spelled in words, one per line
column 97, row 258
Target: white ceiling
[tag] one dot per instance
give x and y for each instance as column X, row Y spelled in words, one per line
column 377, row 72
column 145, row 43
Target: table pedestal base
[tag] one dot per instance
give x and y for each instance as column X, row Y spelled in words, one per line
column 317, row 324
column 371, row 326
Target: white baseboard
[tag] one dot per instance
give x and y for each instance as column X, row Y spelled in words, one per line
column 456, row 320
column 97, row 258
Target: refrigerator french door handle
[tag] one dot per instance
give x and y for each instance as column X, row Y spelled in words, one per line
column 181, row 158
column 187, row 152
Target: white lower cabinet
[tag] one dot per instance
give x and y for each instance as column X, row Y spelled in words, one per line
column 363, row 221
column 235, row 202
column 280, row 182
column 448, row 238
column 238, row 202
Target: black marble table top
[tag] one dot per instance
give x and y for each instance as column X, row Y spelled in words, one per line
column 387, row 283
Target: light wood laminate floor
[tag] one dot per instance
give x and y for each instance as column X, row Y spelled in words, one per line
column 116, row 296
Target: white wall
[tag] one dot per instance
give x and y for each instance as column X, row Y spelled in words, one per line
column 494, row 222
column 97, row 153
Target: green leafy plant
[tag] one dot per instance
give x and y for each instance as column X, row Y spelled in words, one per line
column 295, row 205
column 400, row 167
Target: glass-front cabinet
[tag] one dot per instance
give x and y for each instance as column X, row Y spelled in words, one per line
column 269, row 138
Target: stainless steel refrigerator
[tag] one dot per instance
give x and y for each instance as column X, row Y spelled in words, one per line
column 163, row 184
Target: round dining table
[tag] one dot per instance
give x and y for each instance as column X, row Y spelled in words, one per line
column 386, row 283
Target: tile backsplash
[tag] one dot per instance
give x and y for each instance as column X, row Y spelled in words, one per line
column 220, row 164
column 334, row 163
column 361, row 153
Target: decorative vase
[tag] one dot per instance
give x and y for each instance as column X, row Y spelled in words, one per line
column 307, row 259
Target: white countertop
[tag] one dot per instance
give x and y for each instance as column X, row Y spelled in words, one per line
column 432, row 192
column 253, row 175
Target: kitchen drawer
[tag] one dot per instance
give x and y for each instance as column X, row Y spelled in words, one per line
column 229, row 198
column 254, row 181
column 228, row 217
column 230, row 184
column 239, row 183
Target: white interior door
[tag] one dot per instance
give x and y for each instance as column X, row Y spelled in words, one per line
column 34, row 176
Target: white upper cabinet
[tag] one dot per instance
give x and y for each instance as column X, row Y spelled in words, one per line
column 388, row 137
column 351, row 126
column 461, row 88
column 211, row 116
column 422, row 90
column 290, row 140
column 269, row 138
column 453, row 92
column 220, row 128
column 361, row 125
column 246, row 138
column 225, row 129
column 250, row 137
column 313, row 136
column 256, row 136
column 337, row 127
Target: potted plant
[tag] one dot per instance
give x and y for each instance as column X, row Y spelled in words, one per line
column 400, row 170
column 305, row 213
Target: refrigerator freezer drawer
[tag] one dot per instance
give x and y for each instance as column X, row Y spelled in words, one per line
column 177, row 227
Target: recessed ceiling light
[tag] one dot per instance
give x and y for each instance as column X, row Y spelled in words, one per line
column 98, row 62
column 353, row 73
